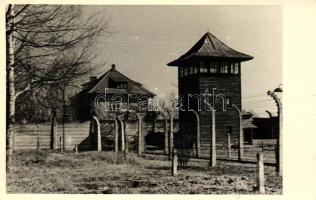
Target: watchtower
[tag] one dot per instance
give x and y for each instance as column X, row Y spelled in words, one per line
column 210, row 68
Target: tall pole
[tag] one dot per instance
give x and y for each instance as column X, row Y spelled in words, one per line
column 240, row 135
column 279, row 161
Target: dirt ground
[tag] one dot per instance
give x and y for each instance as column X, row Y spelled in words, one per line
column 107, row 173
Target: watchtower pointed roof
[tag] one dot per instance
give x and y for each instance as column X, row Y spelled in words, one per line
column 210, row 46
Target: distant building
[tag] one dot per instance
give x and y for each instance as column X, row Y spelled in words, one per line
column 210, row 64
column 259, row 128
column 110, row 94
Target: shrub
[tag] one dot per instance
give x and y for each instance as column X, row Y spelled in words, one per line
column 184, row 147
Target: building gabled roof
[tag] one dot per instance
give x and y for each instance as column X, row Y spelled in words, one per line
column 99, row 85
column 210, row 46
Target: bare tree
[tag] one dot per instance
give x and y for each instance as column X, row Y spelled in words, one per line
column 48, row 46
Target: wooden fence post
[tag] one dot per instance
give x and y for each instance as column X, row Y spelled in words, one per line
column 174, row 167
column 260, row 173
column 61, row 144
column 229, row 152
column 53, row 138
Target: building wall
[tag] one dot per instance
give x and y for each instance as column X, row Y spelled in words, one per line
column 226, row 121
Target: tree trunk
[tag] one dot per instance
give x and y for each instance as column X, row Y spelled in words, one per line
column 10, row 93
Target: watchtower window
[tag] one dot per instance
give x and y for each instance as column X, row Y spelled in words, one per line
column 237, row 67
column 196, row 69
column 224, row 68
column 213, row 67
column 185, row 71
column 203, row 68
column 181, row 71
column 191, row 70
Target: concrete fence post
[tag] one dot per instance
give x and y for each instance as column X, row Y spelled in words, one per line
column 171, row 133
column 140, row 133
column 213, row 141
column 76, row 149
column 229, row 152
column 124, row 137
column 260, row 173
column 174, row 166
column 116, row 136
column 99, row 144
column 240, row 135
column 171, row 144
column 279, row 150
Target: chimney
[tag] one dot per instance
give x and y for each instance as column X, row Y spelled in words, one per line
column 92, row 78
column 113, row 67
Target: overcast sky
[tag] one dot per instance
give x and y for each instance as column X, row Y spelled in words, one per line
column 146, row 38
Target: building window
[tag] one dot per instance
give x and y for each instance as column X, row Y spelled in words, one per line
column 203, row 68
column 185, row 71
column 191, row 70
column 213, row 67
column 121, row 85
column 224, row 68
column 236, row 66
column 181, row 71
column 196, row 69
column 232, row 68
column 228, row 100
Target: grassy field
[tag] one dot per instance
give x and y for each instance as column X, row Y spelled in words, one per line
column 107, row 173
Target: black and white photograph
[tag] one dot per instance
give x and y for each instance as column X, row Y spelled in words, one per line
column 144, row 99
